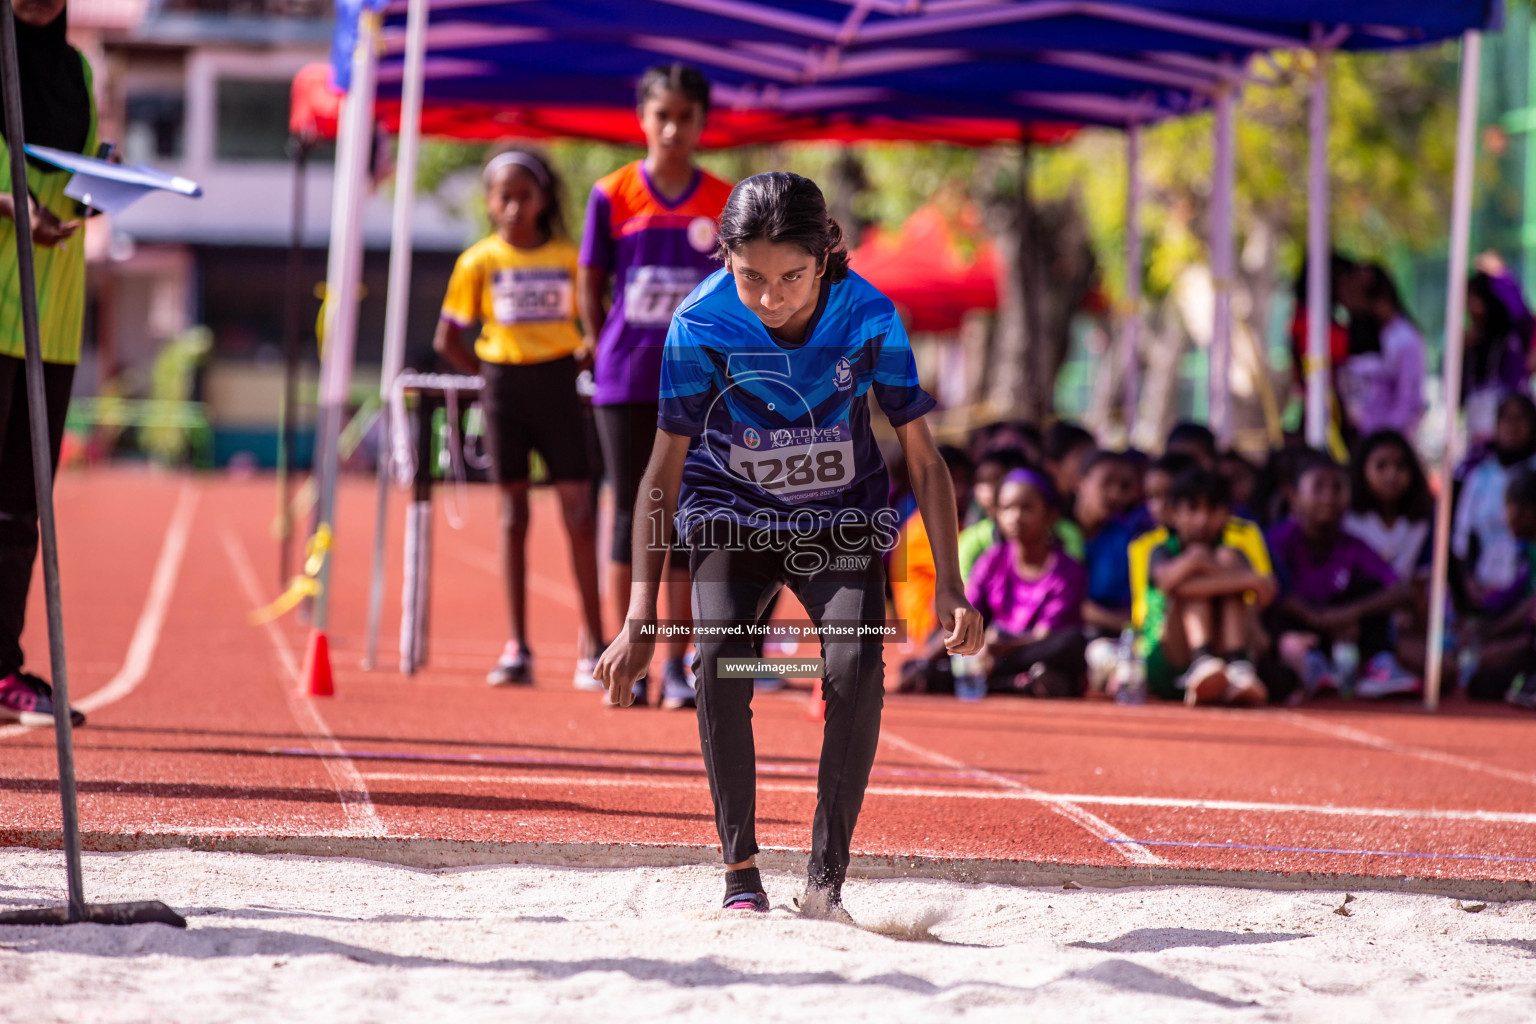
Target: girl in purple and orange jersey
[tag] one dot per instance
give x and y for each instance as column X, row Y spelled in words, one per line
column 651, row 234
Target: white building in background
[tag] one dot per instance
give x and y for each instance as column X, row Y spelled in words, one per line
column 200, row 88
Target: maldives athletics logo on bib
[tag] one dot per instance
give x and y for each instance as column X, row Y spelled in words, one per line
column 842, row 376
column 750, row 438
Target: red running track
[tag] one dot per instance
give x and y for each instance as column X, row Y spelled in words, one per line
column 195, row 730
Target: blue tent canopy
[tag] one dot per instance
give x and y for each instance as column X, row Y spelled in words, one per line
column 1016, row 60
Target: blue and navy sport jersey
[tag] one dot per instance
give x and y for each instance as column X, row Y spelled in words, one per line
column 785, row 428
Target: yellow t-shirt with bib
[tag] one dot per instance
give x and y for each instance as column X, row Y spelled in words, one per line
column 524, row 299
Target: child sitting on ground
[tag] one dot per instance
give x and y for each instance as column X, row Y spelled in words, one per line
column 1156, row 486
column 1506, row 648
column 1103, row 499
column 1338, row 595
column 1198, row 588
column 1031, row 594
column 1390, row 509
column 981, row 535
column 1485, row 549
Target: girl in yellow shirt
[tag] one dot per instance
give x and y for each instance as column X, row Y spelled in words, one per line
column 519, row 284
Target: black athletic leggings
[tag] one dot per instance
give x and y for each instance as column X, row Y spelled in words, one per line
column 733, row 581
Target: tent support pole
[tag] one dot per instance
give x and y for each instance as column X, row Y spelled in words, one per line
column 1222, row 267
column 1317, row 370
column 399, row 300
column 1130, row 327
column 1455, row 310
column 291, row 330
column 343, row 270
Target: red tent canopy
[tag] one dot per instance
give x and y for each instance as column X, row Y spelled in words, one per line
column 936, row 267
column 316, row 108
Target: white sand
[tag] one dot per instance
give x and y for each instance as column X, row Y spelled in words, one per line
column 301, row 939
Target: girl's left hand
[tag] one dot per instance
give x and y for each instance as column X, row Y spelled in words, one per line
column 962, row 623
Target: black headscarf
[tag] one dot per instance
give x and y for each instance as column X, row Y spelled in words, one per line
column 55, row 103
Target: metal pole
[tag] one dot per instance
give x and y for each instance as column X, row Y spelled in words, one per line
column 291, row 331
column 342, row 273
column 1319, row 262
column 1223, row 267
column 42, row 460
column 1455, row 311
column 1130, row 327
column 399, row 299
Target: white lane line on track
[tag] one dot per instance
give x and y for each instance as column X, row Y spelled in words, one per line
column 355, row 802
column 1370, row 739
column 928, row 793
column 488, row 561
column 146, row 633
column 1123, row 844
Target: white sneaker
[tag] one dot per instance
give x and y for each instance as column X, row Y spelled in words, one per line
column 584, row 678
column 1384, row 677
column 1243, row 686
column 1206, row 680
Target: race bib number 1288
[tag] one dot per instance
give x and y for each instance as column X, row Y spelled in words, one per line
column 796, row 464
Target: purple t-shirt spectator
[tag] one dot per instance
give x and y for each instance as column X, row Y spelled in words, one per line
column 1324, row 578
column 657, row 250
column 1018, row 606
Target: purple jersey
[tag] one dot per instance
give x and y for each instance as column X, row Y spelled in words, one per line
column 657, row 252
column 1323, row 578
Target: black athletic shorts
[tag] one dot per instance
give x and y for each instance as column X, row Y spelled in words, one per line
column 627, row 432
column 534, row 407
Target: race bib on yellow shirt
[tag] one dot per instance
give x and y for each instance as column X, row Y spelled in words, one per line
column 521, row 295
column 796, row 464
column 652, row 294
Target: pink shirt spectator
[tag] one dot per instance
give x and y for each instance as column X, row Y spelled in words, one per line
column 1018, row 606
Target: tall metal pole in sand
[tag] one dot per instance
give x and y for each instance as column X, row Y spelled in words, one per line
column 42, row 480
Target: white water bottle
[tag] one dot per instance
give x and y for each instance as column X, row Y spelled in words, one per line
column 1130, row 671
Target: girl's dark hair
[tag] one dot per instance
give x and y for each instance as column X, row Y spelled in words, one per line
column 1484, row 353
column 1196, row 485
column 1198, row 435
column 783, row 208
column 537, row 166
column 1063, row 438
column 675, row 77
column 1417, row 503
column 1377, row 283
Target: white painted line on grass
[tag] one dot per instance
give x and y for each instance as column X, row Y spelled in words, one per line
column 349, row 785
column 146, row 634
column 1370, row 739
column 1122, row 843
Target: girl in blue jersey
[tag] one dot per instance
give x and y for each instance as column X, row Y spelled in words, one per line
column 766, row 468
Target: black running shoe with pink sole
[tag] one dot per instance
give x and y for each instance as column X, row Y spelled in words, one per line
column 754, row 902
column 28, row 700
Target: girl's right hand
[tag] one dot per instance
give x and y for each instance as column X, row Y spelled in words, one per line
column 621, row 664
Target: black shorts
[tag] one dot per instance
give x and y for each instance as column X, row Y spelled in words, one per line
column 627, row 432
column 534, row 407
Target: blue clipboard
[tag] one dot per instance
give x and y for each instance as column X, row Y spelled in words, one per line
column 108, row 187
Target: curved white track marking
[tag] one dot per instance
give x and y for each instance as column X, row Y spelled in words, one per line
column 350, row 788
column 1123, row 844
column 1370, row 739
column 146, row 634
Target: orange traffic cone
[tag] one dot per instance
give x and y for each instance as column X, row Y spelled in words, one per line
column 816, row 707
column 316, row 680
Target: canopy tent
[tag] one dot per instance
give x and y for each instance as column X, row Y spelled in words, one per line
column 854, row 62
column 924, row 267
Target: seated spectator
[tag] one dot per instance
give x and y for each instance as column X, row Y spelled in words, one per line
column 1505, row 648
column 1243, row 477
column 1199, row 585
column 1194, row 440
column 1390, row 503
column 1381, row 384
column 1066, row 447
column 1485, row 549
column 913, row 583
column 1157, row 485
column 1494, row 363
column 1030, row 593
column 982, row 534
column 1103, row 498
column 1337, row 594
